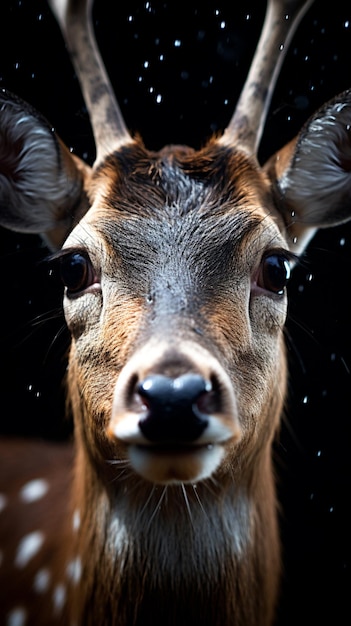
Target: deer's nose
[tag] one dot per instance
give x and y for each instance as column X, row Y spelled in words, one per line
column 176, row 409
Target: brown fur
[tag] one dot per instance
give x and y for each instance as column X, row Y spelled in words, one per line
column 191, row 556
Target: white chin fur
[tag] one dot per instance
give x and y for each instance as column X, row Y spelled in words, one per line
column 176, row 465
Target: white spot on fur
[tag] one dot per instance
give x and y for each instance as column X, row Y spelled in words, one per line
column 34, row 490
column 59, row 598
column 3, row 501
column 28, row 547
column 117, row 537
column 42, row 581
column 241, row 531
column 16, row 617
column 74, row 570
column 76, row 520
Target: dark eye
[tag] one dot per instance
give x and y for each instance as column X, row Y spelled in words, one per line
column 76, row 272
column 274, row 273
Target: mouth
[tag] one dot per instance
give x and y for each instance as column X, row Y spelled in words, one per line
column 174, row 448
column 175, row 463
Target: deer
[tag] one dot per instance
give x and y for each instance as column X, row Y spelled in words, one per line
column 162, row 509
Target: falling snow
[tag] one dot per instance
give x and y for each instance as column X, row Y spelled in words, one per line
column 177, row 87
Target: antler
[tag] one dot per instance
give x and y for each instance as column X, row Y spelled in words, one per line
column 246, row 126
column 247, row 122
column 110, row 131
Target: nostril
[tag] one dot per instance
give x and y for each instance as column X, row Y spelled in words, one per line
column 174, row 407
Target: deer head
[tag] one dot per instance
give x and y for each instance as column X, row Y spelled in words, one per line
column 175, row 267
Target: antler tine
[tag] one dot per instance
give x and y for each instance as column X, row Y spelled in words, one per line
column 246, row 125
column 110, row 131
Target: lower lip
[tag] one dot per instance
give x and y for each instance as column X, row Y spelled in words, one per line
column 175, row 464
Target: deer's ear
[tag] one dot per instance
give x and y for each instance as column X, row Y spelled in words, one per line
column 41, row 183
column 311, row 176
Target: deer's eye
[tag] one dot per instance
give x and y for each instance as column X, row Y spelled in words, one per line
column 274, row 273
column 77, row 272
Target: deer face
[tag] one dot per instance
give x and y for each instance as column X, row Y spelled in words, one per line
column 175, row 297
column 175, row 276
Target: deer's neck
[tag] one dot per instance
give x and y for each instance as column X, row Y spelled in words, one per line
column 171, row 555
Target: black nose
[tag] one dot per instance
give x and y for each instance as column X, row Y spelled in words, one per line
column 173, row 407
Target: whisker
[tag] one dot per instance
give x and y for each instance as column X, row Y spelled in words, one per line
column 26, row 330
column 199, row 500
column 41, row 318
column 53, row 342
column 122, row 475
column 215, row 484
column 158, row 506
column 187, row 503
column 152, row 491
column 117, row 461
column 123, row 466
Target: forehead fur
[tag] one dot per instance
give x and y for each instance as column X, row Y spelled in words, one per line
column 216, row 179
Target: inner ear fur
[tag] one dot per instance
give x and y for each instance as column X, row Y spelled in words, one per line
column 311, row 175
column 42, row 185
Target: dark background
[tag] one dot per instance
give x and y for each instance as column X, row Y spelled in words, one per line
column 178, row 69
